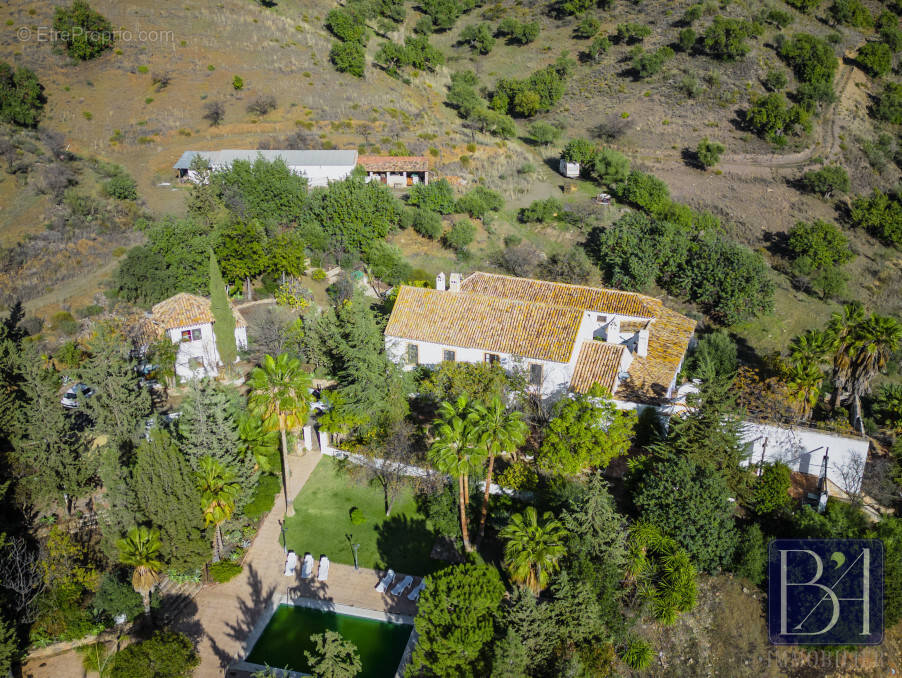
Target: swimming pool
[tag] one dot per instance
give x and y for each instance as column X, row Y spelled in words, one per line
column 287, row 635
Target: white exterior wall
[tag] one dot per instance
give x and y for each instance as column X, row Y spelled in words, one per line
column 204, row 350
column 803, row 450
column 241, row 338
column 317, row 175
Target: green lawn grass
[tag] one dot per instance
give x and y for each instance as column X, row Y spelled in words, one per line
column 322, row 524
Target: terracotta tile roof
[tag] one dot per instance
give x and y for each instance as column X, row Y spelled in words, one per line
column 531, row 330
column 598, row 363
column 393, row 163
column 186, row 309
column 562, row 294
column 651, row 375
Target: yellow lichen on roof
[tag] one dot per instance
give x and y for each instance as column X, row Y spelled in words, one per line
column 184, row 310
column 562, row 294
column 490, row 324
column 598, row 363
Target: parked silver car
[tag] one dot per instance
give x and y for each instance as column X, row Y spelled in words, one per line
column 70, row 397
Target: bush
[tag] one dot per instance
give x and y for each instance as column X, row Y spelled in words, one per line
column 348, row 57
column 427, row 223
column 214, row 112
column 771, row 117
column 818, row 244
column 437, row 196
column 725, row 38
column 347, row 26
column 687, row 39
column 708, row 152
column 237, row 82
column 648, row 64
column 89, row 311
column 889, row 104
column 264, row 496
column 64, row 322
column 21, row 96
column 85, row 33
column 598, row 47
column 811, row 58
column 771, row 491
column 224, row 571
column 876, row 59
column 587, row 27
column 775, row 80
column 608, row 167
column 387, row 262
column 880, row 215
column 851, row 13
column 121, row 187
column 479, row 202
column 541, row 211
column 806, row 6
column 579, row 150
column 887, row 406
column 478, row 37
column 115, row 597
column 357, row 517
column 827, row 180
column 645, row 191
column 516, row 32
column 444, row 13
column 460, row 235
column 544, row 133
column 166, row 655
column 262, row 104
column 631, row 33
column 751, row 555
column 715, row 353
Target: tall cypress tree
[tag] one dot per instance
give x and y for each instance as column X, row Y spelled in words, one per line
column 223, row 320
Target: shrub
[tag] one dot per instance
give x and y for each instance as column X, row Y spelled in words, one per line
column 116, row 597
column 608, row 167
column 544, row 133
column 818, row 244
column 237, row 82
column 772, row 117
column 387, row 262
column 64, row 322
column 347, row 26
column 21, row 96
column 424, row 26
column 587, row 27
column 778, row 17
column 460, row 235
column 444, row 13
column 518, row 476
column 540, row 211
column 715, row 353
column 224, row 571
column 437, row 196
column 880, row 215
column 214, row 112
column 889, row 104
column 479, row 201
column 648, row 64
column 598, row 47
column 264, row 497
column 811, row 58
column 318, row 274
column 645, row 191
column 262, row 104
column 876, row 59
column 827, row 180
column 851, row 13
column 427, row 223
column 478, row 37
column 579, row 150
column 165, row 655
column 725, row 38
column 771, row 492
column 687, row 39
column 348, row 57
column 887, row 406
column 806, row 6
column 751, row 555
column 357, row 517
column 516, row 32
column 121, row 187
column 775, row 80
column 631, row 33
column 85, row 33
column 708, row 152
column 89, row 311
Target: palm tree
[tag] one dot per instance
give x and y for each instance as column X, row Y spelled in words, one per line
column 499, row 431
column 840, row 330
column 280, row 397
column 533, row 549
column 257, row 441
column 218, row 494
column 873, row 342
column 803, row 385
column 456, row 451
column 812, row 346
column 139, row 549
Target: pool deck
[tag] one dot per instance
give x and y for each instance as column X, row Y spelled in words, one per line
column 229, row 614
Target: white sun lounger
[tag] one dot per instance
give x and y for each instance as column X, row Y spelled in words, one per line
column 403, row 584
column 415, row 591
column 323, row 574
column 291, row 562
column 386, row 581
column 307, row 567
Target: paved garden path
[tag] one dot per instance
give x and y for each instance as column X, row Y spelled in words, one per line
column 227, row 613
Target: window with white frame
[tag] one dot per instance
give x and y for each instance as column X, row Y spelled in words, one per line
column 191, row 335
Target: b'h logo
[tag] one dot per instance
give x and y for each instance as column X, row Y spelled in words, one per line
column 825, row 591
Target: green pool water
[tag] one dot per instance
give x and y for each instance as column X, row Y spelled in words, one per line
column 287, row 636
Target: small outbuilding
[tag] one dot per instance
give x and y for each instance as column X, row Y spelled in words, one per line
column 396, row 171
column 319, row 166
column 569, row 169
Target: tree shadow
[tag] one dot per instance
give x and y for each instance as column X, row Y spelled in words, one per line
column 179, row 611
column 404, row 544
column 690, row 158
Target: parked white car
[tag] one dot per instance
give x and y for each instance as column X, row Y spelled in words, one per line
column 70, row 398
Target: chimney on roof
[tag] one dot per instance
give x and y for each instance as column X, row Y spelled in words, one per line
column 454, row 282
column 612, row 336
column 642, row 344
column 440, row 281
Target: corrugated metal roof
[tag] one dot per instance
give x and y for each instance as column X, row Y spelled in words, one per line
column 314, row 158
column 485, row 323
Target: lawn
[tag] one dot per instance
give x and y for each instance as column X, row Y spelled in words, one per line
column 322, row 524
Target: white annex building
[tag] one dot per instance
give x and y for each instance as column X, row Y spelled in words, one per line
column 563, row 337
column 318, row 166
column 187, row 320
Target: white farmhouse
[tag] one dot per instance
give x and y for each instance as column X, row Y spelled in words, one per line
column 563, row 337
column 187, row 320
column 319, row 167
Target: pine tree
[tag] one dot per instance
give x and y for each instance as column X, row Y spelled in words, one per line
column 167, row 494
column 223, row 320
